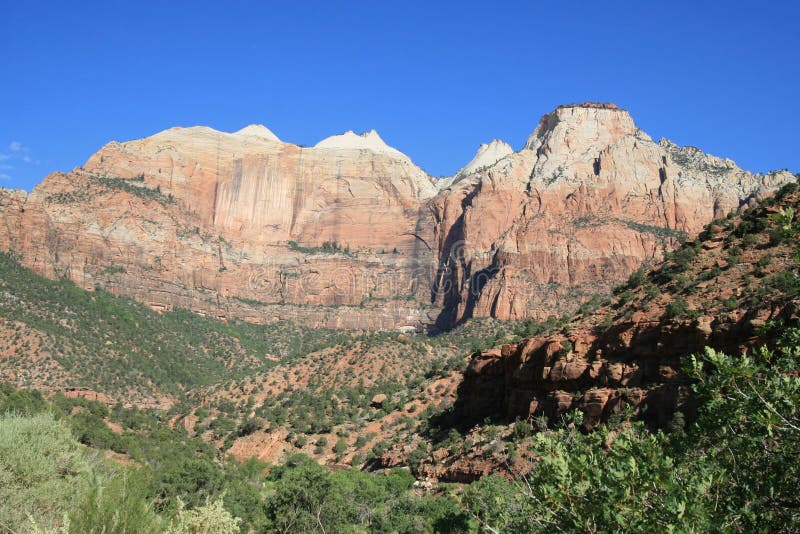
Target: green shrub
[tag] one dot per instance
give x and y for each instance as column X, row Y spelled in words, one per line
column 522, row 429
column 116, row 503
column 730, row 304
column 211, row 518
column 340, row 446
column 42, row 471
column 652, row 291
column 20, row 401
column 750, row 240
column 677, row 308
column 637, row 278
column 625, row 297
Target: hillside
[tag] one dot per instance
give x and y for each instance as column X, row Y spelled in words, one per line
column 674, row 405
column 374, row 399
column 56, row 335
column 733, row 288
column 252, row 390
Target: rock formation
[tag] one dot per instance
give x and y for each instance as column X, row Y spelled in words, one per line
column 487, row 155
column 12, row 204
column 236, row 225
column 587, row 200
column 351, row 234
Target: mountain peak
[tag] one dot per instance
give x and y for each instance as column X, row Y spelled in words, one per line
column 258, row 130
column 591, row 105
column 488, row 154
column 598, row 123
column 365, row 141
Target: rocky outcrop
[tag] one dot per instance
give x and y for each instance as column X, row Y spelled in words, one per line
column 257, row 189
column 351, row 234
column 633, row 363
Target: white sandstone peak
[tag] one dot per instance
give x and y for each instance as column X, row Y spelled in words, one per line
column 486, row 156
column 366, row 141
column 575, row 126
column 258, row 130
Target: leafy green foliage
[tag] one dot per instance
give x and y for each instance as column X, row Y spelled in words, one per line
column 328, row 247
column 749, row 431
column 42, row 467
column 310, row 498
column 133, row 186
column 211, row 518
column 632, row 486
column 734, row 469
column 677, row 262
column 21, row 401
column 678, row 308
column 115, row 503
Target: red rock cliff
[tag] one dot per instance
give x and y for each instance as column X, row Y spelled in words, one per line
column 352, row 234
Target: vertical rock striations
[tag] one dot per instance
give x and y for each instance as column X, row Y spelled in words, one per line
column 350, row 233
column 587, row 200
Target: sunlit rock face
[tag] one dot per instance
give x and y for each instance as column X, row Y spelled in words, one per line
column 588, row 199
column 238, row 225
column 351, row 233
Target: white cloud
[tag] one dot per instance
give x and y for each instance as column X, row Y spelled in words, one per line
column 26, row 158
column 15, row 146
column 4, row 157
column 4, row 176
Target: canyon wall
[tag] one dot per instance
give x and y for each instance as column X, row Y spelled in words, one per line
column 352, row 234
column 588, row 200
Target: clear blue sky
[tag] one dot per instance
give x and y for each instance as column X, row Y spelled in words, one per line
column 434, row 78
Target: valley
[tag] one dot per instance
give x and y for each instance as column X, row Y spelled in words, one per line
column 227, row 318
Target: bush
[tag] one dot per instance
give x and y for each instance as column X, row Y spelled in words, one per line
column 677, row 262
column 625, row 297
column 785, row 282
column 735, row 466
column 340, row 446
column 116, row 503
column 637, row 278
column 42, row 469
column 750, row 240
column 677, row 308
column 310, row 498
column 734, row 255
column 634, row 486
column 211, row 518
column 21, row 402
column 652, row 291
column 522, row 429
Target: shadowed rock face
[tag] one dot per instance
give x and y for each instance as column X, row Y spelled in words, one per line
column 634, row 363
column 244, row 225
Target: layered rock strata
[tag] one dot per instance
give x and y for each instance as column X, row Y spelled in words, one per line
column 351, row 234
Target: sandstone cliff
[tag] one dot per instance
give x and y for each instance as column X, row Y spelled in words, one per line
column 238, row 225
column 11, row 209
column 587, row 200
column 351, row 234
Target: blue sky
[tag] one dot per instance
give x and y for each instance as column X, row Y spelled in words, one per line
column 435, row 79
